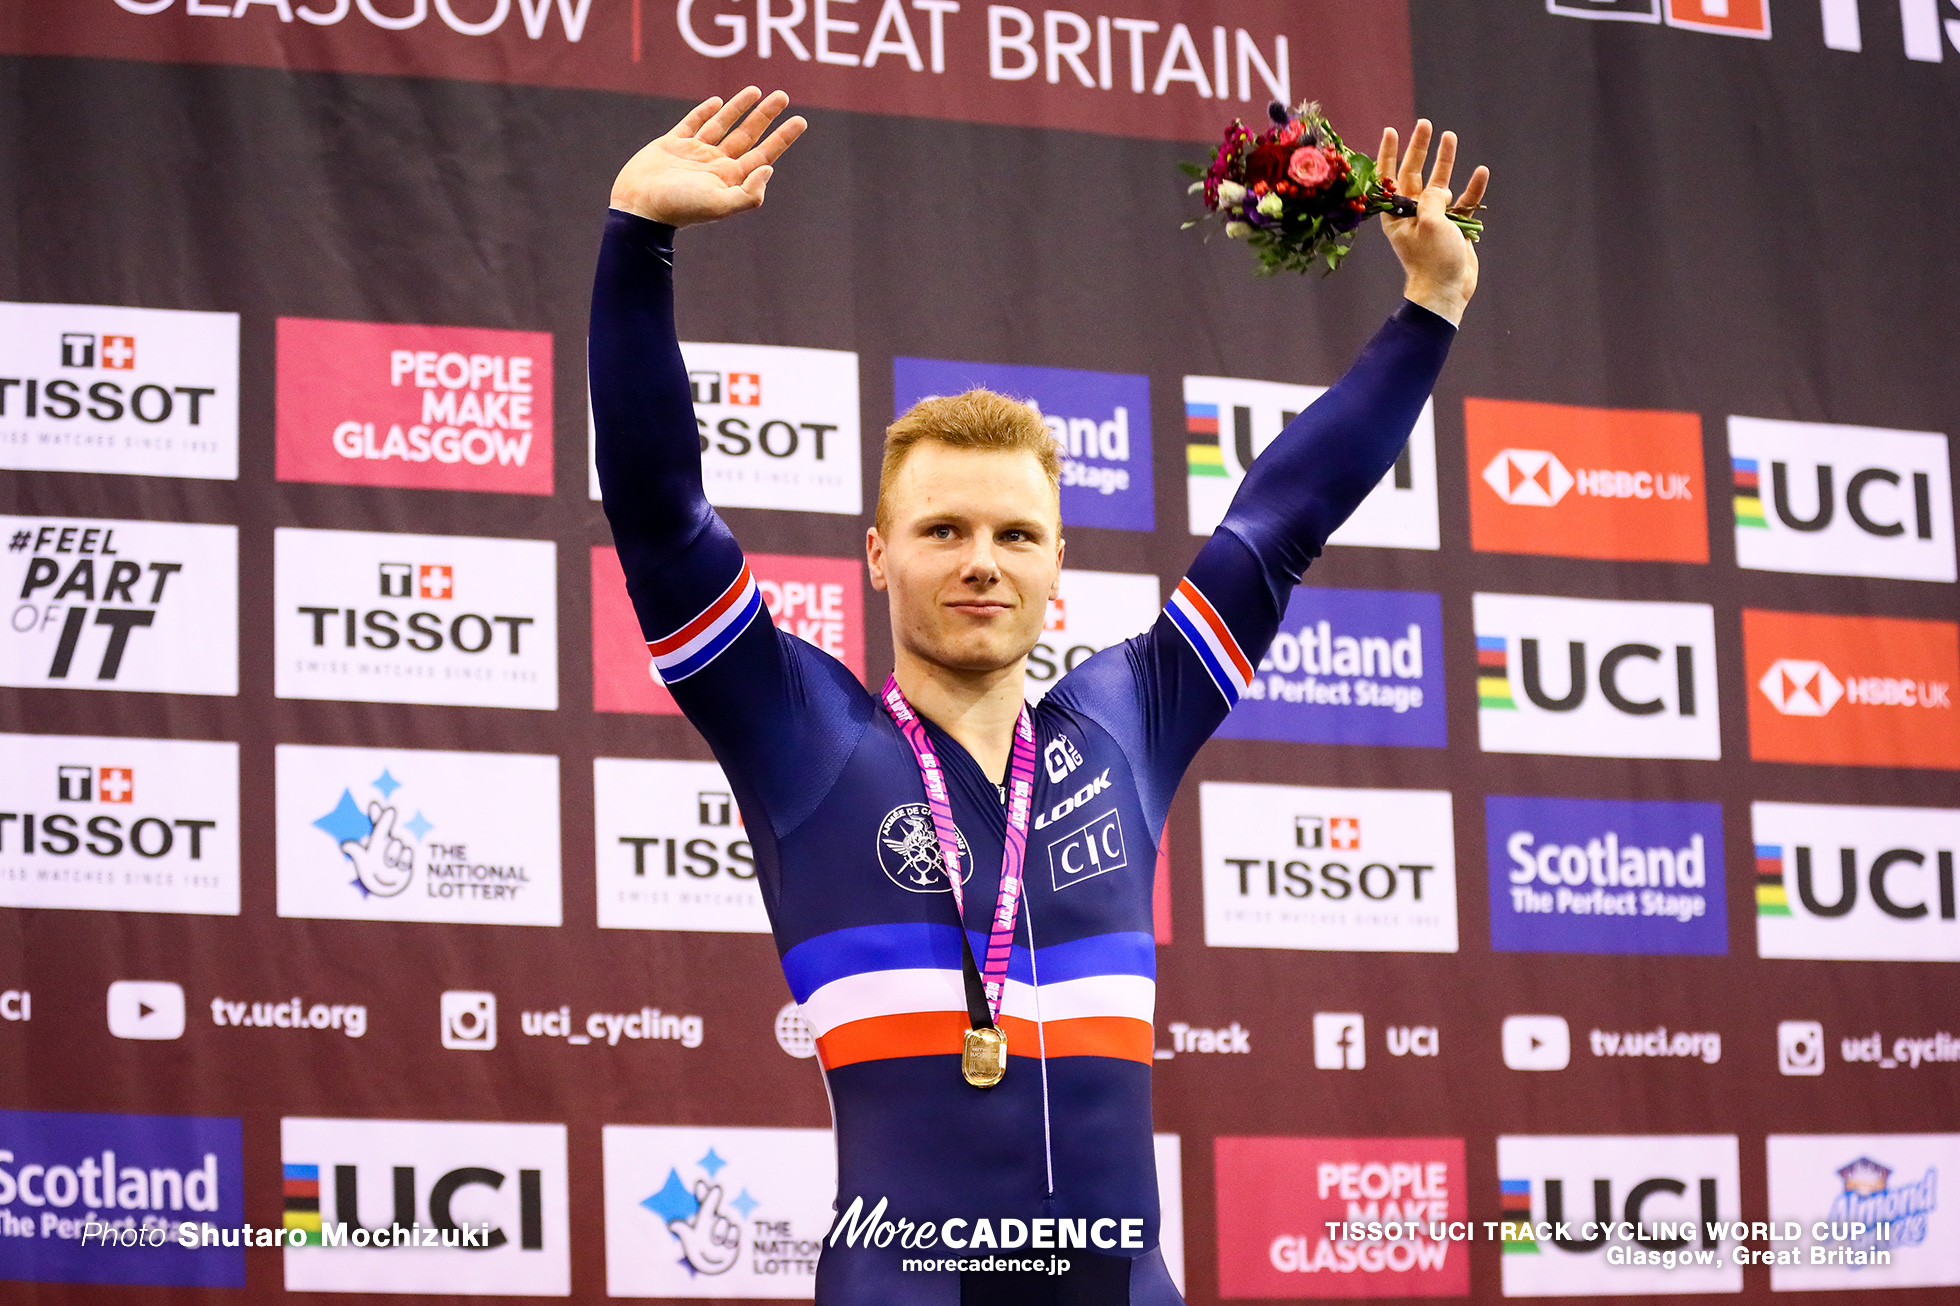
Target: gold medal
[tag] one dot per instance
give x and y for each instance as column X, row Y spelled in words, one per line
column 984, row 1058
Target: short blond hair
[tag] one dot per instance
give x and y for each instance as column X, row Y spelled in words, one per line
column 977, row 419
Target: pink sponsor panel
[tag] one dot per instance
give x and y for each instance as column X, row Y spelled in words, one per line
column 415, row 407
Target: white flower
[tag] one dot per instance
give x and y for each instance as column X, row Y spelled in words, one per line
column 1271, row 205
column 1230, row 192
column 1238, row 230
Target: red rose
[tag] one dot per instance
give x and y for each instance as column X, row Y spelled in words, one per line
column 1267, row 163
column 1313, row 167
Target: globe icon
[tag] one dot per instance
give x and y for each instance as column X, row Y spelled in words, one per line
column 793, row 1033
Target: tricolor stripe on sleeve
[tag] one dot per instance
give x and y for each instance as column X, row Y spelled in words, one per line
column 703, row 639
column 1211, row 639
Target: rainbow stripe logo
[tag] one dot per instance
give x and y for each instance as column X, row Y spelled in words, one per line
column 1771, row 897
column 1494, row 674
column 1749, row 494
column 1515, row 1209
column 1201, row 452
column 303, row 1201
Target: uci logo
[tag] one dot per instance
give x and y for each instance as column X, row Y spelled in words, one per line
column 1532, row 680
column 908, row 850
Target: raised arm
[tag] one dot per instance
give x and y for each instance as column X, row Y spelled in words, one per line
column 1164, row 692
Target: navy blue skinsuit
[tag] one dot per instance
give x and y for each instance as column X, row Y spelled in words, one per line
column 862, row 914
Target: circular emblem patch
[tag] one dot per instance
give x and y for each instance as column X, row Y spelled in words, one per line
column 908, row 849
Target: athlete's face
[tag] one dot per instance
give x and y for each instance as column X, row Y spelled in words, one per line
column 971, row 556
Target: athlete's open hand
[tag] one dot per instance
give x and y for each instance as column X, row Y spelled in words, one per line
column 713, row 163
column 1438, row 259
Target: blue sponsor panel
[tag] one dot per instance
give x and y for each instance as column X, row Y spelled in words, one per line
column 103, row 1198
column 1350, row 667
column 1605, row 876
column 1101, row 420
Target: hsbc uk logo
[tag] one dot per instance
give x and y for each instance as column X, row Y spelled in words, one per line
column 1535, row 478
column 1799, row 687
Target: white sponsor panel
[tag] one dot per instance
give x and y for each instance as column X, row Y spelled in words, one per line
column 1331, row 870
column 130, row 605
column 1875, row 1199
column 779, row 427
column 1170, row 1203
column 1858, row 883
column 505, row 1184
column 100, row 388
column 671, row 849
column 101, row 824
column 1596, row 677
column 398, row 834
column 1637, row 1213
column 449, row 619
column 1093, row 611
column 1399, row 513
column 716, row 1212
column 1842, row 500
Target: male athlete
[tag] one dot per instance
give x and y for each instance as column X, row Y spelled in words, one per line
column 1006, row 1116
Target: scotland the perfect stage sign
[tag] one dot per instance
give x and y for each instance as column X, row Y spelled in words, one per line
column 62, row 1171
column 1350, row 667
column 1101, row 420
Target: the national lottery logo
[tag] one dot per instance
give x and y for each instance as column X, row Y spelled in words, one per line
column 1856, row 883
column 1339, row 870
column 1349, row 667
column 1092, row 611
column 120, row 605
column 1585, row 482
column 1862, row 1211
column 1595, row 678
column 779, row 426
column 1100, row 421
column 1229, row 421
column 425, row 1206
column 372, row 617
column 371, row 834
column 119, row 824
column 722, row 1212
column 1841, row 500
column 672, row 850
column 1619, row 1215
column 1859, row 691
column 1593, row 875
column 909, row 853
column 95, row 388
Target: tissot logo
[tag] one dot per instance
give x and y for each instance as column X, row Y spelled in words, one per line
column 1585, row 482
column 1841, row 500
column 1277, row 1196
column 1100, row 421
column 722, row 1212
column 119, row 824
column 385, row 1206
column 129, row 605
column 77, row 395
column 407, row 835
column 672, row 850
column 819, row 600
column 1350, row 667
column 449, row 619
column 1341, row 870
column 1619, row 1215
column 1856, row 883
column 423, row 407
column 1229, row 421
column 779, row 426
column 1858, row 691
column 1093, row 611
column 1596, row 875
column 1877, row 1201
column 144, row 1177
column 1596, row 678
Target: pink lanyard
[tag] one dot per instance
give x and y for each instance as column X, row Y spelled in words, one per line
column 1020, row 802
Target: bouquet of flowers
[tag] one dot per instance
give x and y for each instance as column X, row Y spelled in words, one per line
column 1295, row 192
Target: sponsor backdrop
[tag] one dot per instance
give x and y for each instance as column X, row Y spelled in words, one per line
column 1585, row 847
